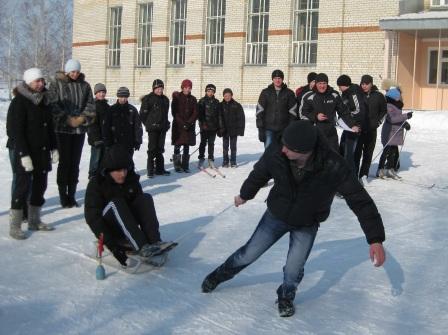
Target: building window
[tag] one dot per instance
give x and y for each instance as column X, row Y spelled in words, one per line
column 439, row 3
column 178, row 31
column 214, row 42
column 257, row 32
column 114, row 36
column 442, row 66
column 304, row 44
column 144, row 34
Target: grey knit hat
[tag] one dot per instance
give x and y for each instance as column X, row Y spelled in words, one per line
column 99, row 87
column 123, row 92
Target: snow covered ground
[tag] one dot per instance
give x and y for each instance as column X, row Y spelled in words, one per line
column 48, row 287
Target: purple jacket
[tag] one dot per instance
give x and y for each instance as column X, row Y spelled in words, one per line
column 394, row 119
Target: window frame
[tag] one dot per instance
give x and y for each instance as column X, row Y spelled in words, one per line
column 443, row 3
column 214, row 52
column 144, row 34
column 440, row 66
column 177, row 51
column 114, row 42
column 301, row 49
column 257, row 51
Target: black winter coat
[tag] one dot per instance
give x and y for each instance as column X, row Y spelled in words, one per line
column 154, row 112
column 354, row 99
column 122, row 125
column 233, row 120
column 209, row 110
column 376, row 108
column 94, row 131
column 71, row 98
column 29, row 128
column 328, row 103
column 300, row 92
column 275, row 112
column 308, row 202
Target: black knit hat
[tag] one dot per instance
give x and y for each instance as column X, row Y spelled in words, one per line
column 366, row 79
column 227, row 90
column 300, row 136
column 321, row 77
column 157, row 83
column 311, row 76
column 116, row 158
column 123, row 92
column 210, row 87
column 278, row 73
column 344, row 80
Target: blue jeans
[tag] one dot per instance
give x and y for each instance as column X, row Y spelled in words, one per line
column 269, row 138
column 269, row 231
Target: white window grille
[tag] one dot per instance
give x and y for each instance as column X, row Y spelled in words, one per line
column 257, row 32
column 214, row 42
column 434, row 66
column 144, row 39
column 439, row 3
column 178, row 31
column 304, row 45
column 114, row 48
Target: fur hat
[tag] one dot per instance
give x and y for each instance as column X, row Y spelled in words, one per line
column 186, row 83
column 123, row 92
column 32, row 74
column 72, row 65
column 99, row 87
column 300, row 136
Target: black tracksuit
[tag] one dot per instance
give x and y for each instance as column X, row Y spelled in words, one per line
column 376, row 110
column 154, row 116
column 209, row 113
column 30, row 131
column 328, row 103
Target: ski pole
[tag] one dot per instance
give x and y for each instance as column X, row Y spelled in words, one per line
column 100, row 271
column 401, row 126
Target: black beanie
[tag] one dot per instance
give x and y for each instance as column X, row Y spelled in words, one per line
column 366, row 79
column 227, row 90
column 278, row 73
column 157, row 83
column 322, row 77
column 300, row 136
column 311, row 76
column 344, row 80
column 210, row 87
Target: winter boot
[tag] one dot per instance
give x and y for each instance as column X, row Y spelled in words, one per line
column 390, row 173
column 381, row 174
column 149, row 250
column 34, row 221
column 186, row 163
column 160, row 166
column 71, row 196
column 201, row 163
column 15, row 222
column 211, row 163
column 177, row 163
column 233, row 165
column 210, row 282
column 63, row 197
column 150, row 166
column 285, row 307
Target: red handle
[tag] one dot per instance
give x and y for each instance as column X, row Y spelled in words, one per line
column 101, row 245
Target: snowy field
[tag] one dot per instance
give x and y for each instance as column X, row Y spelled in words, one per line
column 48, row 287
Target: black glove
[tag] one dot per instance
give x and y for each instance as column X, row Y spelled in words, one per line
column 407, row 126
column 261, row 134
column 137, row 147
column 409, row 115
column 120, row 255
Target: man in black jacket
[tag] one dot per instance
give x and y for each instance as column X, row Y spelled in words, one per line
column 116, row 207
column 300, row 92
column 276, row 108
column 376, row 110
column 306, row 174
column 154, row 116
column 320, row 107
column 209, row 110
column 94, row 131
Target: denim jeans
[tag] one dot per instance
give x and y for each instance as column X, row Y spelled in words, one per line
column 269, row 138
column 269, row 231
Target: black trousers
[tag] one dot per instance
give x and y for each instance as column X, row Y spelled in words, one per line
column 207, row 137
column 226, row 140
column 185, row 152
column 389, row 157
column 365, row 147
column 70, row 150
column 347, row 148
column 156, row 142
column 26, row 182
column 136, row 221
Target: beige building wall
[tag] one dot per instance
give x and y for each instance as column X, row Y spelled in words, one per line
column 349, row 42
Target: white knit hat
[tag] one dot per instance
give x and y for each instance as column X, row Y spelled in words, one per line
column 72, row 65
column 32, row 74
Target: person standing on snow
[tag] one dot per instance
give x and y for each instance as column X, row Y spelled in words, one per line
column 300, row 92
column 307, row 174
column 154, row 116
column 94, row 132
column 184, row 111
column 33, row 143
column 209, row 113
column 276, row 108
column 73, row 111
column 320, row 107
column 122, row 124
